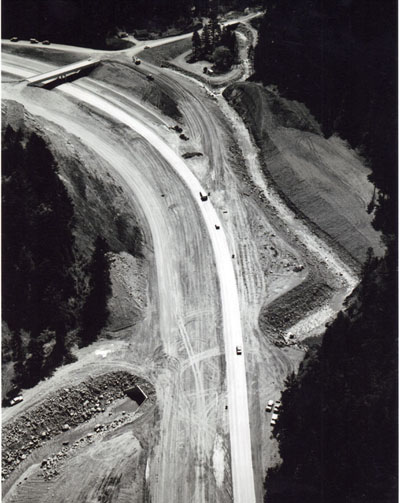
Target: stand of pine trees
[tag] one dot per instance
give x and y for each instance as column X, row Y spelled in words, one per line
column 216, row 44
column 40, row 300
column 337, row 429
column 90, row 22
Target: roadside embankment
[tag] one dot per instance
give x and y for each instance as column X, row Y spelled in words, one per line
column 321, row 179
column 62, row 411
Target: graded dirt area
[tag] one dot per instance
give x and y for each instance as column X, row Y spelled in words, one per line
column 322, row 178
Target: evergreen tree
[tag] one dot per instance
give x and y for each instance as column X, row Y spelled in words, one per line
column 206, row 40
column 222, row 58
column 196, row 44
column 95, row 311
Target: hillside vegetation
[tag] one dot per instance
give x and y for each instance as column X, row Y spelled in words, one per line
column 55, row 247
column 90, row 22
column 42, row 300
column 337, row 429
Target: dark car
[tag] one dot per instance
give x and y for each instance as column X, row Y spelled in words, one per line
column 33, row 41
column 46, row 42
column 14, row 39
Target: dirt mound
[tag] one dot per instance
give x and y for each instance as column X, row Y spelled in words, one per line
column 287, row 310
column 133, row 79
column 62, row 411
column 322, row 179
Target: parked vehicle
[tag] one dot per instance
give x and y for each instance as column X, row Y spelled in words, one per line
column 239, row 350
column 149, row 77
column 137, row 62
column 277, row 406
column 14, row 39
column 46, row 42
column 17, row 399
column 33, row 41
column 269, row 406
column 274, row 419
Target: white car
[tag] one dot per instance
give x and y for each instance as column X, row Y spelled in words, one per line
column 269, row 406
column 277, row 406
column 274, row 419
column 16, row 400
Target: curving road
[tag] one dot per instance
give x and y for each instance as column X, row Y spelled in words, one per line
column 241, row 458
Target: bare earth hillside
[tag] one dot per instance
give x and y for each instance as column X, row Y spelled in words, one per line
column 321, row 178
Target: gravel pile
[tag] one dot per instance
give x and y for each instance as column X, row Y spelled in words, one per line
column 50, row 466
column 60, row 412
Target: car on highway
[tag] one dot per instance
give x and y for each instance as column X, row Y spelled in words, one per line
column 239, row 350
column 269, row 406
column 46, row 42
column 274, row 419
column 14, row 39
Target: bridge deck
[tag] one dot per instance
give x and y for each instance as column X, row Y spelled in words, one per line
column 65, row 71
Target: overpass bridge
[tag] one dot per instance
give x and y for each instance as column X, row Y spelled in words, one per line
column 63, row 74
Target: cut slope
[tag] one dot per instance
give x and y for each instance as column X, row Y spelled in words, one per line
column 322, row 178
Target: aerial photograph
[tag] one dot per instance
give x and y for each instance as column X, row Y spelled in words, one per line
column 199, row 283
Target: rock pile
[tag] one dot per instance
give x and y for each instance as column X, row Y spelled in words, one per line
column 51, row 465
column 61, row 411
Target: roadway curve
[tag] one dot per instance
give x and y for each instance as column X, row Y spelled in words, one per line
column 241, row 459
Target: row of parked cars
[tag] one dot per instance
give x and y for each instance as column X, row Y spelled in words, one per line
column 31, row 40
column 273, row 407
